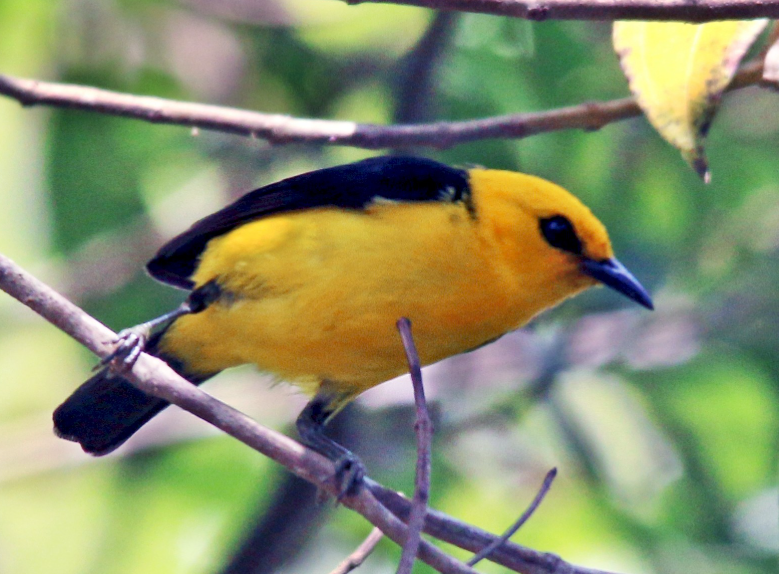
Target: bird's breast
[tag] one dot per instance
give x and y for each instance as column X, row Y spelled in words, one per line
column 316, row 295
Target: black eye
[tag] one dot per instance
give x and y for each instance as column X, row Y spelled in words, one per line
column 559, row 233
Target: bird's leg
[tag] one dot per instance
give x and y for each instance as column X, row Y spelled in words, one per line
column 131, row 342
column 349, row 469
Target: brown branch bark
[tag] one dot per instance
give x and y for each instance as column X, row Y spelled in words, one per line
column 424, row 430
column 524, row 517
column 156, row 378
column 682, row 10
column 380, row 506
column 356, row 558
column 474, row 539
column 279, row 129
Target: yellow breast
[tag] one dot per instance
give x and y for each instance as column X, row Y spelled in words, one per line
column 315, row 295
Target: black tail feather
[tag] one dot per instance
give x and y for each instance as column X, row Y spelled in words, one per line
column 107, row 409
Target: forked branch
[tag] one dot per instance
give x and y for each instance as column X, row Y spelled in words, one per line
column 382, row 507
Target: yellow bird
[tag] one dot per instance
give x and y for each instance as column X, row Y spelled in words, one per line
column 305, row 278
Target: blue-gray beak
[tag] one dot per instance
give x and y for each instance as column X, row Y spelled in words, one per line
column 613, row 274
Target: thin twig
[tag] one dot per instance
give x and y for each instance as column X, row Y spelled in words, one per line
column 548, row 479
column 424, row 430
column 357, row 557
column 469, row 537
column 683, row 10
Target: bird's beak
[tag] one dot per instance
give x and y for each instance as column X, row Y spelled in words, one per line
column 613, row 274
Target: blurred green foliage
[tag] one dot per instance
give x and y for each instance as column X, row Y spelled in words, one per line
column 664, row 428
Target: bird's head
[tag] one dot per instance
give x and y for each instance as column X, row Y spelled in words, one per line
column 550, row 238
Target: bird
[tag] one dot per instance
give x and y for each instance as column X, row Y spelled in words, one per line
column 306, row 278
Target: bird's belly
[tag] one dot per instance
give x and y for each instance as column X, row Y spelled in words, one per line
column 349, row 337
column 317, row 297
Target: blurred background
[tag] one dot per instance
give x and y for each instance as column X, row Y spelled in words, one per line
column 663, row 425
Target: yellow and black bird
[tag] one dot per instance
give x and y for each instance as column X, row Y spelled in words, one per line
column 306, row 278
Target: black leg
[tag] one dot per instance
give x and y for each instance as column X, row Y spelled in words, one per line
column 349, row 469
column 131, row 342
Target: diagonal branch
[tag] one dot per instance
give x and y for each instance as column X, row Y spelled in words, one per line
column 380, row 506
column 682, row 10
column 356, row 558
column 156, row 378
column 280, row 129
column 524, row 517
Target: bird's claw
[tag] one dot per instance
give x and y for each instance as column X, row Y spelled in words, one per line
column 348, row 476
column 129, row 346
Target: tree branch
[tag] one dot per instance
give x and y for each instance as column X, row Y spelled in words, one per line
column 156, row 378
column 356, row 558
column 524, row 517
column 469, row 537
column 682, row 10
column 380, row 506
column 424, row 430
column 280, row 129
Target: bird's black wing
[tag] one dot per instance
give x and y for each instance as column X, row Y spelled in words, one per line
column 352, row 186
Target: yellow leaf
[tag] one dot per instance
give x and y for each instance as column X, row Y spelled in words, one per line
column 678, row 71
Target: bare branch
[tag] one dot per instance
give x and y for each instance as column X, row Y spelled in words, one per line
column 469, row 537
column 360, row 554
column 682, row 10
column 279, row 129
column 424, row 430
column 381, row 506
column 545, row 486
column 156, row 378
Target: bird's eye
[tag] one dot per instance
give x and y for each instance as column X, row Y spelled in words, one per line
column 559, row 233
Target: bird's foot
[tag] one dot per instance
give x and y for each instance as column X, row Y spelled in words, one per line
column 129, row 346
column 348, row 476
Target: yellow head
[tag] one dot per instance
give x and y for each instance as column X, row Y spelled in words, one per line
column 551, row 242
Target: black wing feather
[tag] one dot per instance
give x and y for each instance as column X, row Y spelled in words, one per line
column 352, row 186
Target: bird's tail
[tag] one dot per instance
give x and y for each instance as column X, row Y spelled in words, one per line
column 107, row 409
